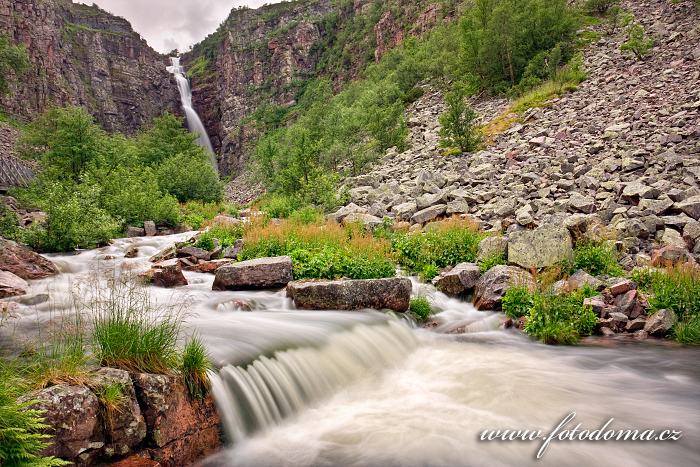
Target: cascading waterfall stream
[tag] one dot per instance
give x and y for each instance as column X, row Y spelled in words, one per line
column 193, row 121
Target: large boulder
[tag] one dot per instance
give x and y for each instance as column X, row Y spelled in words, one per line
column 23, row 262
column 492, row 246
column 194, row 252
column 262, row 273
column 492, row 286
column 540, row 248
column 166, row 274
column 393, row 294
column 660, row 323
column 124, row 425
column 73, row 415
column 11, row 285
column 429, row 214
column 171, row 416
column 459, row 280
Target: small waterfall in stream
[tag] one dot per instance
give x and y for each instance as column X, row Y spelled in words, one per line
column 267, row 391
column 193, row 121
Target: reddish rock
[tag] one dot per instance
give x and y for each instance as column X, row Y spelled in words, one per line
column 669, row 256
column 191, row 251
column 597, row 304
column 23, row 262
column 629, row 304
column 164, row 255
column 618, row 322
column 621, row 286
column 166, row 274
column 636, row 325
column 136, row 461
column 11, row 285
column 660, row 323
column 210, row 266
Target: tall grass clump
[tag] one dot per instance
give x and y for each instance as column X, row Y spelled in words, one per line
column 132, row 332
column 441, row 244
column 420, row 308
column 195, row 365
column 597, row 258
column 321, row 251
column 560, row 319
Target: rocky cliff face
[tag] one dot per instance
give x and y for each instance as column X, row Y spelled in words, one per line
column 264, row 57
column 82, row 55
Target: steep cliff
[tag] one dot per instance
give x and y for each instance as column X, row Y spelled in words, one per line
column 82, row 55
column 264, row 57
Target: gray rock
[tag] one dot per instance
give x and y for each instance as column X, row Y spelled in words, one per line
column 657, row 207
column 672, row 237
column 367, row 220
column 691, row 207
column 618, row 321
column 166, row 274
column 584, row 204
column 457, row 207
column 540, row 248
column 492, row 286
column 404, row 211
column 637, row 324
column 132, row 232
column 660, row 323
column 492, row 246
column 427, row 200
column 459, row 280
column 523, row 216
column 345, row 211
column 581, row 278
column 262, row 273
column 149, row 228
column 393, row 294
column 195, row 252
column 429, row 214
column 637, row 190
column 232, row 252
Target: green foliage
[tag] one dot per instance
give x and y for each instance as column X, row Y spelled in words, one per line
column 420, row 308
column 599, row 7
column 687, row 331
column 9, row 223
column 676, row 288
column 165, row 138
column 444, row 244
column 277, row 206
column 131, row 332
column 22, row 429
column 331, row 263
column 429, row 272
column 306, row 215
column 14, row 62
column 491, row 261
column 225, row 234
column 196, row 213
column 190, row 177
column 560, row 319
column 459, row 123
column 617, row 18
column 517, row 302
column 195, row 365
column 198, row 69
column 597, row 259
column 638, row 43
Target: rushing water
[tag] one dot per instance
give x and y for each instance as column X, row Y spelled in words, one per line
column 193, row 121
column 299, row 388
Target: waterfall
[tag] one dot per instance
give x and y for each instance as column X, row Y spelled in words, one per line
column 193, row 121
column 265, row 392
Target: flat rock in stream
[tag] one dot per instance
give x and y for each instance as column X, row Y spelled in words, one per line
column 379, row 294
column 261, row 273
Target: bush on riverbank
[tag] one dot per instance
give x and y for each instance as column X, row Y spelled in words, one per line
column 560, row 319
column 597, row 258
column 320, row 251
column 420, row 308
column 442, row 244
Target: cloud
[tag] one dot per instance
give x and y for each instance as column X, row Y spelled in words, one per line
column 169, row 24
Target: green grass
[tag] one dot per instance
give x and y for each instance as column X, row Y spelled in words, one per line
column 196, row 213
column 225, row 234
column 597, row 258
column 195, row 365
column 420, row 308
column 560, row 319
column 491, row 261
column 517, row 302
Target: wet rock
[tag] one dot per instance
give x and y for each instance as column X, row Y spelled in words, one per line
column 210, row 267
column 124, row 425
column 131, row 252
column 618, row 322
column 597, row 304
column 543, row 247
column 164, row 255
column 136, row 461
column 262, row 273
column 393, row 294
column 492, row 286
column 149, row 228
column 133, row 232
column 660, row 323
column 11, row 285
column 635, row 325
column 73, row 413
column 194, row 252
column 429, row 214
column 33, row 300
column 459, row 280
column 166, row 274
column 23, row 262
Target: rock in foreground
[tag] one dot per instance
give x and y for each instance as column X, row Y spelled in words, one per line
column 11, row 285
column 23, row 262
column 459, row 280
column 166, row 274
column 262, row 273
column 393, row 294
column 492, row 286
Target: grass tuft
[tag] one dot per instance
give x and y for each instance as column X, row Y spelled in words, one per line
column 195, row 365
column 420, row 308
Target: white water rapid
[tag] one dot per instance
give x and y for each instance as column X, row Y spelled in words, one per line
column 193, row 121
column 302, row 389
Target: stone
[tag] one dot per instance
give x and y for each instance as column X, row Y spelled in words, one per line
column 210, row 267
column 428, row 200
column 405, row 211
column 673, row 238
column 620, row 286
column 166, row 274
column 492, row 246
column 629, row 304
column 660, row 323
column 457, row 207
column 393, row 294
column 581, row 278
column 691, row 207
column 597, row 304
column 232, row 252
column 164, row 255
column 492, row 286
column 523, row 216
column 149, row 228
column 345, row 211
column 656, row 206
column 133, row 232
column 136, row 461
column 261, row 273
column 429, row 214
column 73, row 414
column 131, row 252
column 459, row 280
column 584, row 204
column 543, row 247
column 669, row 256
column 191, row 251
column 637, row 324
column 223, row 219
column 618, row 322
column 124, row 426
column 634, row 191
column 367, row 220
column 11, row 285
column 23, row 262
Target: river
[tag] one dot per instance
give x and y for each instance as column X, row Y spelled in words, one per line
column 300, row 388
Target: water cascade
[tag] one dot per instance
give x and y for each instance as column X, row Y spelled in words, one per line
column 193, row 121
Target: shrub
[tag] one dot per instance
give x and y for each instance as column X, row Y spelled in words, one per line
column 195, row 365
column 491, row 261
column 130, row 331
column 597, row 259
column 442, row 244
column 560, row 319
column 637, row 41
column 9, row 223
column 687, row 330
column 190, row 177
column 279, row 206
column 459, row 124
column 196, row 213
column 14, row 61
column 676, row 288
column 165, row 138
column 600, row 7
column 306, row 215
column 420, row 308
column 225, row 234
column 517, row 302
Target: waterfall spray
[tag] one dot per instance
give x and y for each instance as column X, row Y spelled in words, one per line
column 193, row 121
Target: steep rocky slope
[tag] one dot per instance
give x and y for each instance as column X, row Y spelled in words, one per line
column 624, row 147
column 82, row 55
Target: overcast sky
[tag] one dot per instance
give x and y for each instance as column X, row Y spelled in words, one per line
column 174, row 24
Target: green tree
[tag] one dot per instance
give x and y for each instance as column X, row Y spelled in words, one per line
column 637, row 42
column 190, row 177
column 166, row 138
column 14, row 61
column 459, row 123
